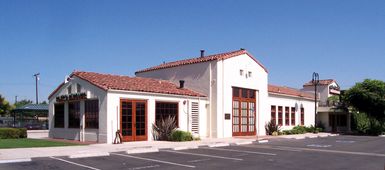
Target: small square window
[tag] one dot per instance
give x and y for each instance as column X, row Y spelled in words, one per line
column 69, row 89
column 249, row 74
column 78, row 88
column 241, row 72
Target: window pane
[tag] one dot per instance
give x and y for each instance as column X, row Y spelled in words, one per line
column 74, row 114
column 235, row 92
column 244, row 93
column 59, row 115
column 91, row 112
column 165, row 109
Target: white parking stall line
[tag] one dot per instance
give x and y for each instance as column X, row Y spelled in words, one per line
column 145, row 167
column 153, row 160
column 204, row 155
column 277, row 148
column 233, row 150
column 74, row 163
column 340, row 152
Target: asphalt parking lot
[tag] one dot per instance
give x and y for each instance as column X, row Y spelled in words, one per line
column 340, row 152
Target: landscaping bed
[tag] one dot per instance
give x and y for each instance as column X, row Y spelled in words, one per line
column 30, row 143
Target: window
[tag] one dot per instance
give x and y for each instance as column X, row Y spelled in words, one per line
column 69, row 89
column 302, row 116
column 273, row 115
column 280, row 115
column 78, row 88
column 341, row 120
column 241, row 72
column 59, row 115
column 293, row 116
column 165, row 109
column 245, row 93
column 235, row 92
column 249, row 74
column 337, row 120
column 91, row 111
column 74, row 114
column 287, row 118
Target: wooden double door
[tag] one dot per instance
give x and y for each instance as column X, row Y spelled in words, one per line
column 133, row 120
column 244, row 109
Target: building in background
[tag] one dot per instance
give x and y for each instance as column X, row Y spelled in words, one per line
column 331, row 113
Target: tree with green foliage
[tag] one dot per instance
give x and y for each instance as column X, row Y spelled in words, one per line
column 368, row 97
column 22, row 103
column 5, row 107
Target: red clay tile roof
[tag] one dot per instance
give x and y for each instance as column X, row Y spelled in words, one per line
column 116, row 82
column 290, row 92
column 221, row 56
column 321, row 82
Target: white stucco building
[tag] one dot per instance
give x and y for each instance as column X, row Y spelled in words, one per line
column 221, row 95
column 330, row 113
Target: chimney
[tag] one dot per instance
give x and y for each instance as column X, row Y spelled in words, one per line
column 202, row 53
column 181, row 84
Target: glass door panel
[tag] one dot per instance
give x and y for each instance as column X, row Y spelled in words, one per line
column 140, row 116
column 126, row 120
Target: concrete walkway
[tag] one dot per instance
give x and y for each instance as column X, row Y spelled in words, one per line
column 20, row 154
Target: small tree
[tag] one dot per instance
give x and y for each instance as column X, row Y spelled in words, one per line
column 5, row 107
column 369, row 97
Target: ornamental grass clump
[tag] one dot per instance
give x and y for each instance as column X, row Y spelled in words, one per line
column 163, row 128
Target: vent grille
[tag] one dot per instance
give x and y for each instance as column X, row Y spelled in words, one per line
column 195, row 117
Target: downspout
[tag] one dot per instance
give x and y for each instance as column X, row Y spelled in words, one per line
column 223, row 102
column 210, row 100
column 188, row 115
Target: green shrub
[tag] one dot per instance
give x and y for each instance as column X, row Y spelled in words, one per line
column 178, row 135
column 375, row 127
column 13, row 133
column 299, row 129
column 271, row 127
column 361, row 122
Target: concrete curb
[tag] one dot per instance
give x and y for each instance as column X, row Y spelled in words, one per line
column 142, row 150
column 312, row 137
column 87, row 155
column 263, row 141
column 381, row 135
column 184, row 148
column 241, row 143
column 15, row 160
column 218, row 145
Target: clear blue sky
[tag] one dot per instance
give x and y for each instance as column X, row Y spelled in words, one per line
column 343, row 40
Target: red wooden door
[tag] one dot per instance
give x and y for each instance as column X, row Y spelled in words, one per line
column 133, row 120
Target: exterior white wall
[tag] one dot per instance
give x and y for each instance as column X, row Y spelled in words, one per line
column 215, row 79
column 97, row 135
column 113, row 110
column 281, row 100
column 228, row 77
column 196, row 76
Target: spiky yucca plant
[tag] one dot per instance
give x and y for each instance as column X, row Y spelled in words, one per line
column 271, row 127
column 162, row 129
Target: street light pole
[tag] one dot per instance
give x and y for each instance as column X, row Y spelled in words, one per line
column 37, row 91
column 315, row 81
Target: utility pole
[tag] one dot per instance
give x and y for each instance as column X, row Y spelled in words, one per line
column 14, row 114
column 37, row 90
column 315, row 81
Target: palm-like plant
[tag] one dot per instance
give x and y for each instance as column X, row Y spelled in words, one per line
column 162, row 129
